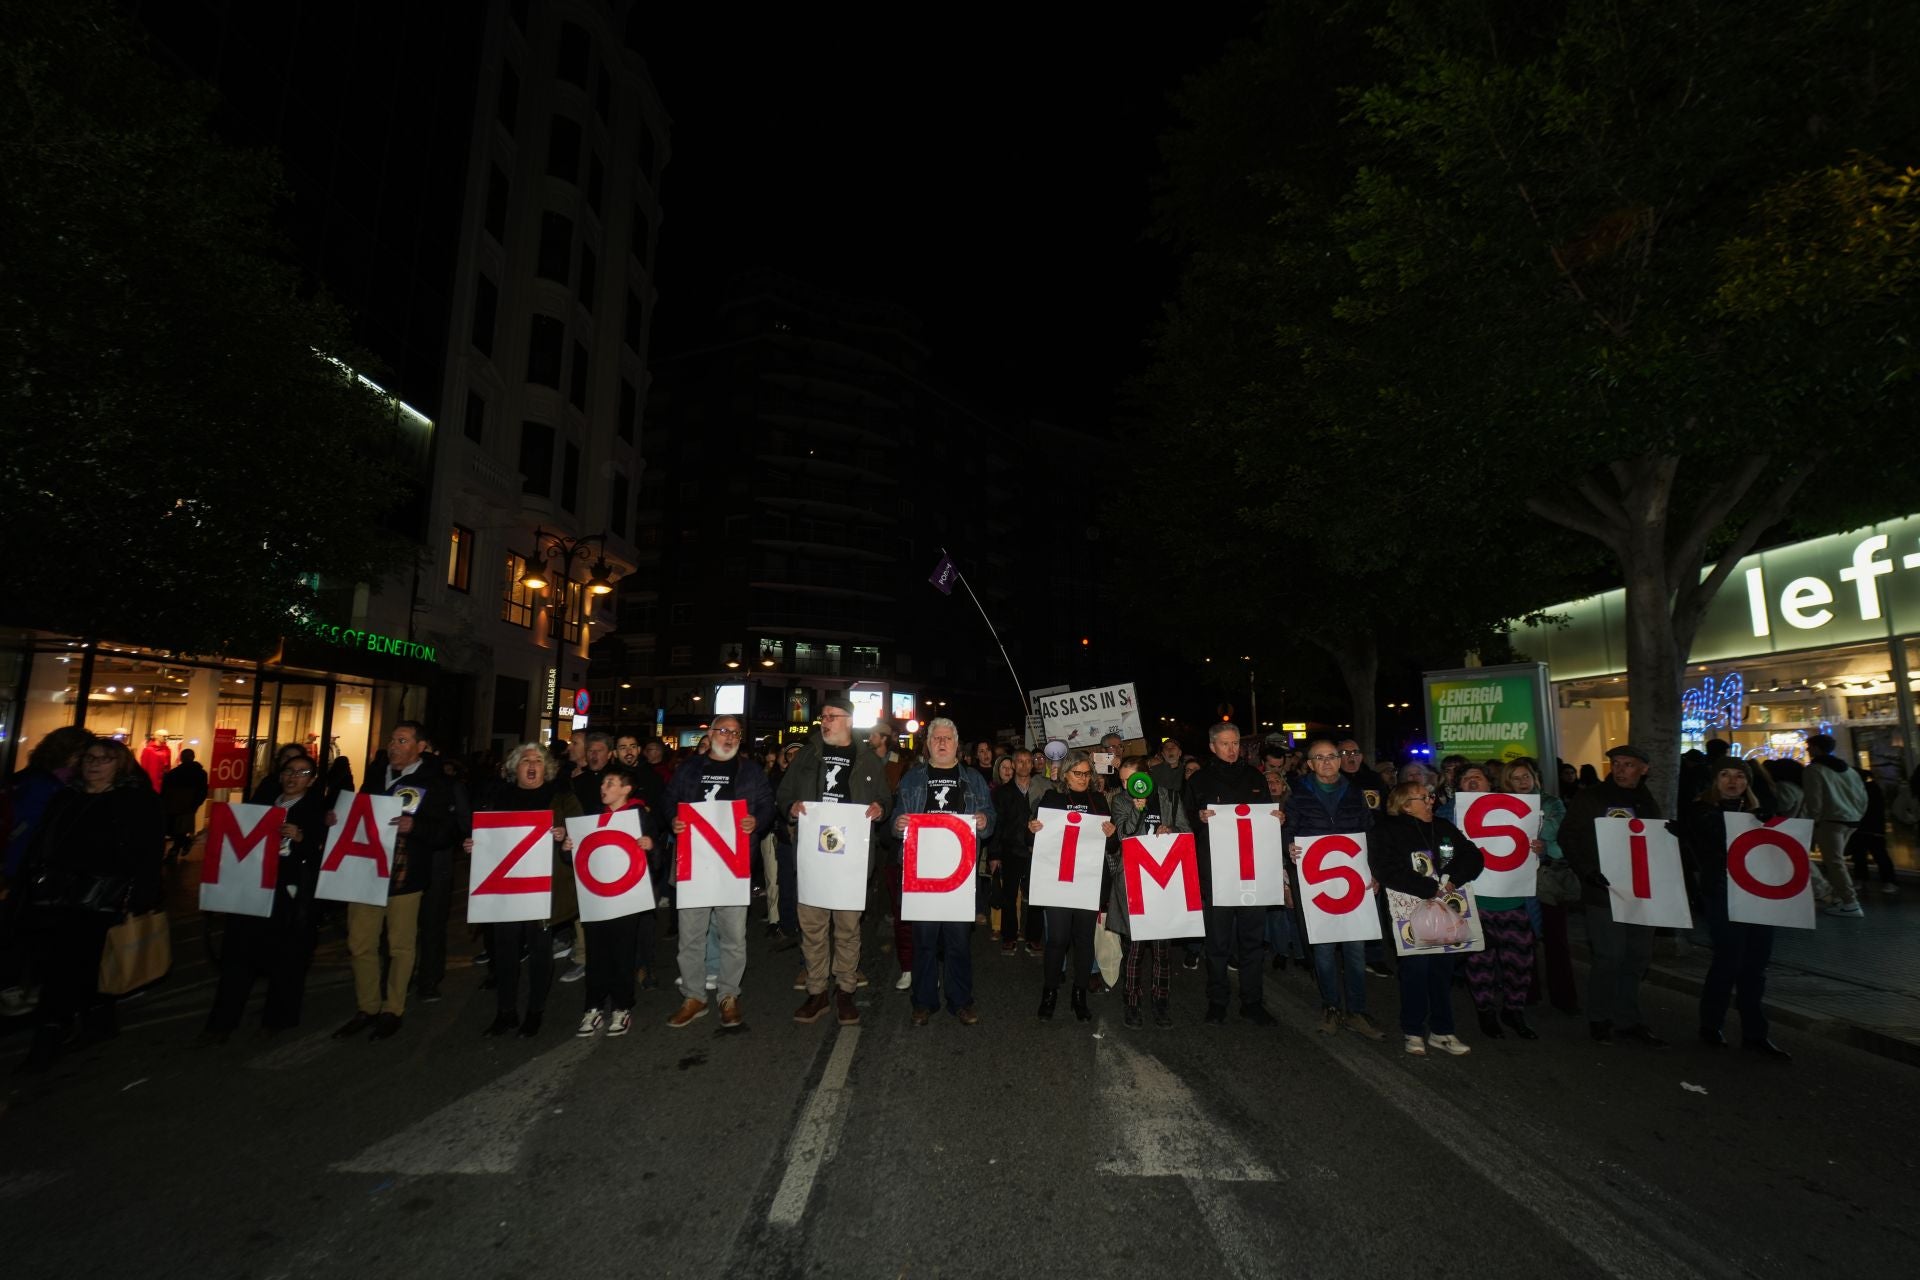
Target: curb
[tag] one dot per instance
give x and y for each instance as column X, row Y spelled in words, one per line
column 1802, row 1019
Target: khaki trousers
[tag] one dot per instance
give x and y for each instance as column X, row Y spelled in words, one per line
column 842, row 952
column 401, row 919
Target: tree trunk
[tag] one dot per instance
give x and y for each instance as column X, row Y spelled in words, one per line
column 1359, row 663
column 1656, row 661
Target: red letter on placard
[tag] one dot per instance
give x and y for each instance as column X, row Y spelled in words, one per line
column 636, row 861
column 1244, row 830
column 911, row 880
column 1741, row 847
column 501, row 879
column 224, row 836
column 1181, row 858
column 361, row 837
column 1314, row 870
column 1637, row 850
column 1480, row 827
column 737, row 854
column 1069, row 840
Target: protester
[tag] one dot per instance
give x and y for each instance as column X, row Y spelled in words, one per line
column 717, row 774
column 94, row 858
column 941, row 949
column 831, row 768
column 1415, row 852
column 530, row 779
column 1549, row 920
column 1500, row 975
column 1234, row 933
column 1155, row 813
column 1325, row 803
column 613, row 946
column 279, row 946
column 1358, row 773
column 182, row 791
column 1836, row 800
column 1740, row 951
column 1070, row 927
column 1013, row 807
column 586, row 780
column 1621, row 951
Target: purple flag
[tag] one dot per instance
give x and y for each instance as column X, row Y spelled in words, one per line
column 944, row 574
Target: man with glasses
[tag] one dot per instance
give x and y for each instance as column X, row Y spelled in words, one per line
column 722, row 773
column 1325, row 803
column 1360, row 774
column 941, row 784
column 830, row 768
column 1234, row 933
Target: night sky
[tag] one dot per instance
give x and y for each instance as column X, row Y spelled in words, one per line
column 991, row 171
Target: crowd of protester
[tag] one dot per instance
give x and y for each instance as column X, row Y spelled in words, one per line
column 89, row 841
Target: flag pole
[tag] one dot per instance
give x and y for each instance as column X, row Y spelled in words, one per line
column 1026, row 707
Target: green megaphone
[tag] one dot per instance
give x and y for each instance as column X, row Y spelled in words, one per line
column 1140, row 786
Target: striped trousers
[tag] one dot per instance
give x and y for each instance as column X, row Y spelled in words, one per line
column 1501, row 976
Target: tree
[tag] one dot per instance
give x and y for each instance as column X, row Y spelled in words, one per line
column 1561, row 233
column 181, row 459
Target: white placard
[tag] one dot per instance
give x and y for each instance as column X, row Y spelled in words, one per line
column 1641, row 861
column 713, row 858
column 1069, row 852
column 1769, row 872
column 359, row 854
column 1162, row 884
column 1503, row 826
column 1335, row 902
column 1080, row 718
column 1247, row 856
column 831, row 851
column 610, row 867
column 937, row 859
column 1460, row 901
column 512, row 873
column 242, row 863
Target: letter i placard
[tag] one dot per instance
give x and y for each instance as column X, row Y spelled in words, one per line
column 1641, row 861
column 1068, row 853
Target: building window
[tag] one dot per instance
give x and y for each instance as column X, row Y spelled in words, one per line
column 573, row 608
column 516, row 601
column 556, row 246
column 506, row 103
column 575, row 48
column 633, row 321
column 680, row 615
column 619, row 499
column 543, row 351
column 629, row 411
column 589, row 276
column 596, row 182
column 498, row 189
column 486, row 306
column 536, row 458
column 577, row 384
column 460, row 558
column 476, row 417
column 570, row 478
column 681, row 655
column 563, row 149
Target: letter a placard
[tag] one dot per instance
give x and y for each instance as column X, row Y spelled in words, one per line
column 936, row 868
column 242, row 864
column 1769, row 875
column 359, row 855
column 512, row 876
column 1068, row 853
column 1248, row 854
column 1641, row 861
column 1162, row 874
column 713, row 859
column 610, row 867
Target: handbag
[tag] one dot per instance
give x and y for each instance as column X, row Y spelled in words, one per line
column 81, row 890
column 1557, row 884
column 1435, row 926
column 139, row 950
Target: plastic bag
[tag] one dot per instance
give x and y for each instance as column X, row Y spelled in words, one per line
column 1435, row 926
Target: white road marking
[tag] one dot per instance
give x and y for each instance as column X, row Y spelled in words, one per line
column 817, row 1135
column 1238, row 1247
column 482, row 1132
column 1162, row 1130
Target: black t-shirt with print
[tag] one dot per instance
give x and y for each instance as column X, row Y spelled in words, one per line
column 946, row 793
column 836, row 773
column 717, row 778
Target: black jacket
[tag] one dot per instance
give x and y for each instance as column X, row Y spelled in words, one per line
column 111, row 833
column 1703, row 846
column 300, row 865
column 1397, row 838
column 1581, row 846
column 1216, row 786
column 429, row 800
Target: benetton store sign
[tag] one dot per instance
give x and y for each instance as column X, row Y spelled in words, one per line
column 1845, row 588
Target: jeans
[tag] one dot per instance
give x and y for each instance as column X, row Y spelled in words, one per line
column 1871, row 844
column 930, row 940
column 508, row 941
column 731, row 923
column 1739, row 968
column 610, row 948
column 1067, row 927
column 1234, row 933
column 1426, row 993
column 1621, row 954
column 1334, row 960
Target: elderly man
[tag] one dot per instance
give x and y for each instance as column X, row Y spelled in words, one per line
column 830, row 768
column 1621, row 952
column 586, row 783
column 1325, row 802
column 941, row 784
column 722, row 773
column 1234, row 932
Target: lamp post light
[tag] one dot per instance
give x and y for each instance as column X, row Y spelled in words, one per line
column 550, row 546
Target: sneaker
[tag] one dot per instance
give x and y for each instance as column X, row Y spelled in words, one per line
column 1233, row 966
column 1329, row 1021
column 1889, row 890
column 1852, row 911
column 482, row 957
column 15, row 1001
column 1036, row 950
column 1361, row 1025
column 713, row 982
column 620, row 1023
column 689, row 1010
column 811, row 1009
column 730, row 1012
column 1416, row 1046
column 590, row 1021
column 1191, row 962
column 562, row 950
column 1008, row 948
column 859, row 979
column 849, row 1015
column 904, row 982
column 574, row 973
column 799, row 982
column 1449, row 1044
column 1378, row 970
column 430, row 995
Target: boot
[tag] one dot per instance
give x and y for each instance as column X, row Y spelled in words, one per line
column 1490, row 1025
column 1080, row 1009
column 1048, row 998
column 1162, row 1016
column 1521, row 1027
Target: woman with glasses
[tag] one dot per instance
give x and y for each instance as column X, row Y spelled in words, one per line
column 1415, row 852
column 1071, row 926
column 95, row 858
column 279, row 946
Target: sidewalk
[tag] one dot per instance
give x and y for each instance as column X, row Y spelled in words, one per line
column 1857, row 981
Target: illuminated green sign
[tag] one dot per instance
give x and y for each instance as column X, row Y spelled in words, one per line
column 374, row 642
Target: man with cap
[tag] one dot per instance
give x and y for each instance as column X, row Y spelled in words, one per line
column 830, row 767
column 1621, row 952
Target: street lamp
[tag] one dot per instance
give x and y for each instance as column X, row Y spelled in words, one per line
column 549, row 546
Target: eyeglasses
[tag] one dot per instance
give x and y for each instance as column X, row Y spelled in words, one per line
column 1079, row 773
column 834, row 715
column 1321, row 759
column 296, row 773
column 726, row 733
column 1354, row 754
column 95, row 758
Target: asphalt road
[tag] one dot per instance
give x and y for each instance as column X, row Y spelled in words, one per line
column 1013, row 1147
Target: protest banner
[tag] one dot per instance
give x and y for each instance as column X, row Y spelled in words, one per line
column 1641, row 860
column 359, row 855
column 610, row 866
column 1504, row 827
column 1769, row 871
column 1068, row 854
column 1162, row 875
column 1334, row 899
column 1247, row 856
column 235, row 833
column 831, row 855
column 512, row 873
column 713, row 857
column 1080, row 718
column 937, row 858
